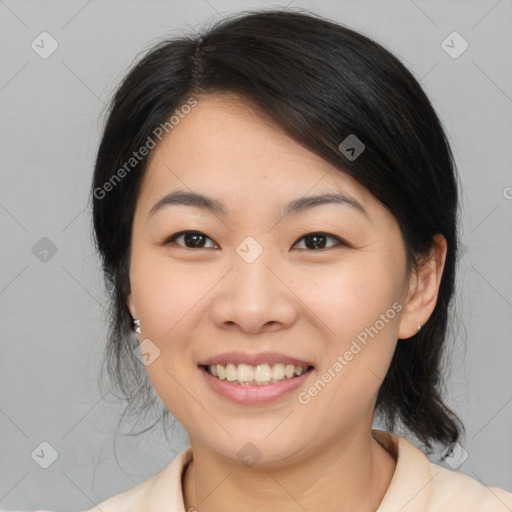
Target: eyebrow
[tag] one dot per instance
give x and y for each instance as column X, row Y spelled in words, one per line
column 217, row 207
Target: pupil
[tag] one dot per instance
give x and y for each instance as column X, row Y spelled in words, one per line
column 194, row 239
column 318, row 241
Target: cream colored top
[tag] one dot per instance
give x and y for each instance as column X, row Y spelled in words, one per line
column 417, row 486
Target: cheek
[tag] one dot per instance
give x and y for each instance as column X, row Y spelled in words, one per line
column 167, row 297
column 351, row 297
column 170, row 300
column 359, row 311
column 359, row 308
column 166, row 294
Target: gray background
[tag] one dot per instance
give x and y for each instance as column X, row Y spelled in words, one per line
column 52, row 320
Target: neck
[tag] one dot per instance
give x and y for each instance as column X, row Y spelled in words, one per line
column 344, row 475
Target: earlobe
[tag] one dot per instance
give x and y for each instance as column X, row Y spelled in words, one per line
column 424, row 289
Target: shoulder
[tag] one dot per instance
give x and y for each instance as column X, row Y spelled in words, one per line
column 419, row 485
column 161, row 492
column 456, row 489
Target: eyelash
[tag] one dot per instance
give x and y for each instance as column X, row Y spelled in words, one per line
column 339, row 241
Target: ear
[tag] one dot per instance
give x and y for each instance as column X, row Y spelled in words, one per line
column 131, row 305
column 423, row 289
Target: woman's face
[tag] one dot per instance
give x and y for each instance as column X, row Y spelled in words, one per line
column 322, row 282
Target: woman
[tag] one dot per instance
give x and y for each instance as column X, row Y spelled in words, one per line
column 275, row 206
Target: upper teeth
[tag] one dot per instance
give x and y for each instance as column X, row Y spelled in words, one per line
column 261, row 374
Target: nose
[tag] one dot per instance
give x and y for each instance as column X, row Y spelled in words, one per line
column 254, row 298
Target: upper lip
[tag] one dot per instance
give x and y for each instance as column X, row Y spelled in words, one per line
column 253, row 359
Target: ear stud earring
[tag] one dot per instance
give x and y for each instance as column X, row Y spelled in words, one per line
column 137, row 326
column 419, row 327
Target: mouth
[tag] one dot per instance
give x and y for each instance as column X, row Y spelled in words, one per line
column 266, row 384
column 256, row 375
column 254, row 379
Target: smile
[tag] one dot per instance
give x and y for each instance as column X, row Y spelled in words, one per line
column 259, row 375
column 245, row 392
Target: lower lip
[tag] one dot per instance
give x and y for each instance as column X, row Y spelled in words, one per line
column 253, row 395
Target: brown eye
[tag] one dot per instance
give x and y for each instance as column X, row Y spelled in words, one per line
column 316, row 241
column 191, row 240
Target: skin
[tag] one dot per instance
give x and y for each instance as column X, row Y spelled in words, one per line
column 194, row 303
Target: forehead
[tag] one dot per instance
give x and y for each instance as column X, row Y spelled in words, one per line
column 228, row 148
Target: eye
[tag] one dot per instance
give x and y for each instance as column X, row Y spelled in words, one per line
column 316, row 241
column 191, row 239
column 197, row 240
